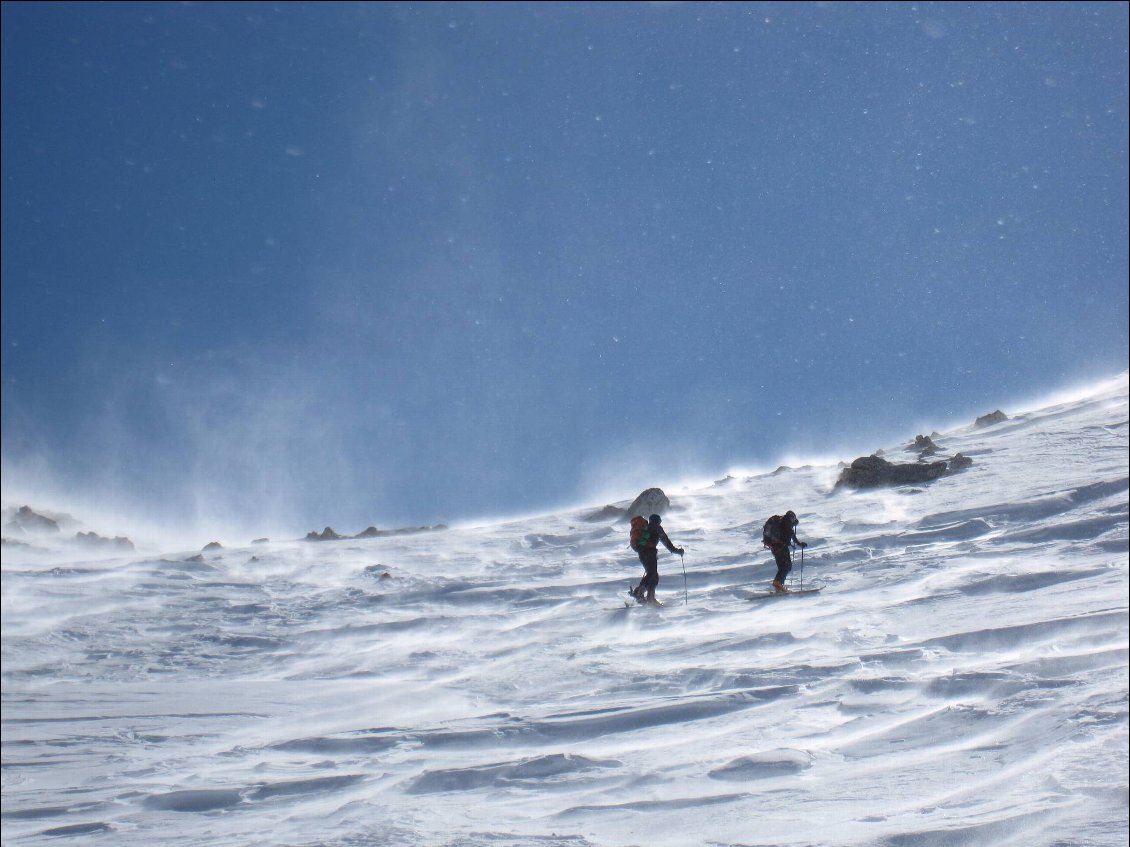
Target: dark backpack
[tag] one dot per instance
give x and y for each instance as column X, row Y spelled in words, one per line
column 773, row 532
column 641, row 533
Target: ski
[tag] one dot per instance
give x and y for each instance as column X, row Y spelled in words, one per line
column 765, row 595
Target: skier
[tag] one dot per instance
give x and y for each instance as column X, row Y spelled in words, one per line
column 645, row 540
column 778, row 535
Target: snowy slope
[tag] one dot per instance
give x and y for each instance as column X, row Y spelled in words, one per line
column 962, row 679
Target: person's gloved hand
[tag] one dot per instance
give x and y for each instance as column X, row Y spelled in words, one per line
column 803, row 543
column 680, row 551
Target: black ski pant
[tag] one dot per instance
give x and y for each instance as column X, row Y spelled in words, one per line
column 649, row 558
column 784, row 561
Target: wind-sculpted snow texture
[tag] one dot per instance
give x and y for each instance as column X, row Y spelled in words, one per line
column 961, row 680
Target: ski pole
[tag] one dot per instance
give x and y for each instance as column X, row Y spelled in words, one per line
column 802, row 569
column 686, row 602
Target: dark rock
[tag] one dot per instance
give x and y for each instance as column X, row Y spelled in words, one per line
column 608, row 513
column 25, row 520
column 93, row 539
column 329, row 534
column 988, row 420
column 924, row 445
column 875, row 471
column 260, row 541
column 374, row 569
column 960, row 462
column 213, row 545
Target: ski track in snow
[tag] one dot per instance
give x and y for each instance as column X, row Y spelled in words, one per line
column 961, row 680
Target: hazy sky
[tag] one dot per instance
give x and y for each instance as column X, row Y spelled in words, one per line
column 351, row 264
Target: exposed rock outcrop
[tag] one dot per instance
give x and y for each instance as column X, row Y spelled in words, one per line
column 924, row 445
column 608, row 513
column 93, row 539
column 330, row 534
column 960, row 462
column 57, row 528
column 877, row 472
column 988, row 420
column 30, row 522
column 327, row 534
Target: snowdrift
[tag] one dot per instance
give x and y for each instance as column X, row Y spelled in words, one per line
column 961, row 680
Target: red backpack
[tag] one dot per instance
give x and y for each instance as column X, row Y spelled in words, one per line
column 641, row 533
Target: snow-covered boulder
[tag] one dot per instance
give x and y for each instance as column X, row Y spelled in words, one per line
column 650, row 502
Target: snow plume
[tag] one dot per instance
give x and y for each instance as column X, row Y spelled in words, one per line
column 963, row 669
column 231, row 445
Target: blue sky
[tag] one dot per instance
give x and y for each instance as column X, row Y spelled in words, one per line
column 350, row 264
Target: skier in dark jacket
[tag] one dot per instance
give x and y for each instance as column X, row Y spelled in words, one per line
column 778, row 535
column 645, row 541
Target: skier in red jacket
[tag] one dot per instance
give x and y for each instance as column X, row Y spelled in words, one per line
column 645, row 541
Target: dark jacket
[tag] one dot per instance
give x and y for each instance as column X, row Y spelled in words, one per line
column 655, row 535
column 786, row 534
